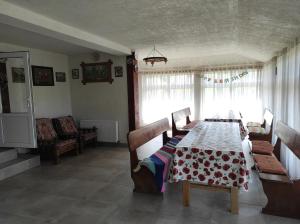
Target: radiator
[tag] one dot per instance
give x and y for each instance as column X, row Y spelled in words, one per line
column 107, row 130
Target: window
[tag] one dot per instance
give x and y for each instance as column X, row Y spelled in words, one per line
column 163, row 93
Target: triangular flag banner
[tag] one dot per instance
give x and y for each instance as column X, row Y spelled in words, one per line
column 226, row 80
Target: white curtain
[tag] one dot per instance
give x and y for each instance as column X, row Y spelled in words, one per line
column 163, row 93
column 268, row 84
column 242, row 95
column 287, row 100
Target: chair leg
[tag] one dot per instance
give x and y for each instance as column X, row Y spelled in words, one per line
column 81, row 146
column 56, row 157
column 77, row 150
column 95, row 142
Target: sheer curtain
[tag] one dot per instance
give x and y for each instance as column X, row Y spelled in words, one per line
column 163, row 93
column 287, row 100
column 268, row 84
column 240, row 95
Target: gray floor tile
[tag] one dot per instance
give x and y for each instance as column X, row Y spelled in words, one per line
column 95, row 187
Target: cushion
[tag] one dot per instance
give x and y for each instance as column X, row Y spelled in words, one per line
column 262, row 147
column 68, row 125
column 45, row 130
column 257, row 130
column 66, row 144
column 253, row 124
column 190, row 125
column 269, row 164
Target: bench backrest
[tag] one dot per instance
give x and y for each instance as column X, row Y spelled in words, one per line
column 268, row 120
column 288, row 136
column 141, row 136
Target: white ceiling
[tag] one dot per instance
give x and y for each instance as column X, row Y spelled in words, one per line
column 188, row 32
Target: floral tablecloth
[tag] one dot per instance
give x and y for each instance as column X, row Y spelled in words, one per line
column 243, row 129
column 211, row 153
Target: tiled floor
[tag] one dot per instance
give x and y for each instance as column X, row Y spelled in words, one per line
column 95, row 187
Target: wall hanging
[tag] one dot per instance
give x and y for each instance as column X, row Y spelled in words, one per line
column 118, row 71
column 60, row 76
column 96, row 72
column 75, row 73
column 42, row 76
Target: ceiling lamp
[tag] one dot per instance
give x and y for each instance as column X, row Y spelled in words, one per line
column 155, row 56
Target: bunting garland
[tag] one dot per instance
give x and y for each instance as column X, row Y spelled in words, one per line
column 227, row 80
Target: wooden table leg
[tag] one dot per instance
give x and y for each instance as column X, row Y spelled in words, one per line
column 234, row 195
column 186, row 193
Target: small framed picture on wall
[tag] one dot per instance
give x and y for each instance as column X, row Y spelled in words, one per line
column 75, row 73
column 118, row 71
column 60, row 76
column 42, row 76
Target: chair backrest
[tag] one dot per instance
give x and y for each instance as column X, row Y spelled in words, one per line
column 289, row 136
column 65, row 125
column 45, row 130
column 268, row 120
column 145, row 134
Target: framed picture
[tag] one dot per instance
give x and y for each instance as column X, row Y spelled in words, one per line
column 96, row 72
column 60, row 76
column 118, row 71
column 42, row 76
column 75, row 73
column 18, row 75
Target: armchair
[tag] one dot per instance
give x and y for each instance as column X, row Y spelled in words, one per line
column 49, row 143
column 66, row 128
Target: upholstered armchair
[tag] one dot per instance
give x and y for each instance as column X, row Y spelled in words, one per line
column 49, row 143
column 66, row 128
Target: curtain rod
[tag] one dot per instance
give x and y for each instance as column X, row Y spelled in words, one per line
column 202, row 69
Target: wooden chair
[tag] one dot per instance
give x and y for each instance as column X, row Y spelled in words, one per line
column 264, row 131
column 142, row 142
column 283, row 193
column 182, row 115
column 50, row 144
column 66, row 128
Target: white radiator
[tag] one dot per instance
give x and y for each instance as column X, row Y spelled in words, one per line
column 107, row 130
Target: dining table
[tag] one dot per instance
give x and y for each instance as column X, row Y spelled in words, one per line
column 231, row 116
column 211, row 157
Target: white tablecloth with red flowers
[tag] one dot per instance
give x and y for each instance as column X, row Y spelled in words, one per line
column 211, row 153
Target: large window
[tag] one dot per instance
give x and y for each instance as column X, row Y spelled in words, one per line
column 230, row 91
column 163, row 93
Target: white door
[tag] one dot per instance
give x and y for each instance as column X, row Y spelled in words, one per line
column 17, row 124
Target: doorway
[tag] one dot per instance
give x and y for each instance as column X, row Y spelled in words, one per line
column 17, row 123
column 4, row 89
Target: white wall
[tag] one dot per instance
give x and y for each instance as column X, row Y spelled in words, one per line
column 103, row 101
column 49, row 101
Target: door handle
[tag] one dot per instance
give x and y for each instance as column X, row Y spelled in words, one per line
column 28, row 101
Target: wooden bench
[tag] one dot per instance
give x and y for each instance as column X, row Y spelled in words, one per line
column 283, row 193
column 182, row 115
column 142, row 143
